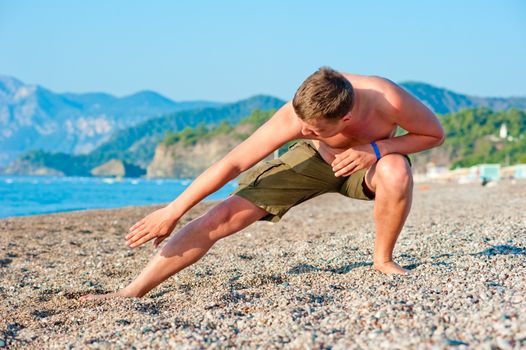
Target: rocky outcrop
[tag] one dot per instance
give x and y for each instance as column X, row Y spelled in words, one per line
column 118, row 168
column 24, row 167
column 180, row 160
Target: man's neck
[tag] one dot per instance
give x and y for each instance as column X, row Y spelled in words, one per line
column 356, row 105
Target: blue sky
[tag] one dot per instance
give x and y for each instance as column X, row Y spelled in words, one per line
column 229, row 50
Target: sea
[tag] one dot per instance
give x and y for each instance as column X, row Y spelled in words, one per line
column 32, row 195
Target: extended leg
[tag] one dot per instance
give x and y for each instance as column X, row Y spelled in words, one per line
column 190, row 243
column 392, row 181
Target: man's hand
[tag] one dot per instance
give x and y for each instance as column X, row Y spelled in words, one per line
column 159, row 225
column 353, row 159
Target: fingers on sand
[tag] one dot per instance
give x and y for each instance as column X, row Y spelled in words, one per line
column 137, row 224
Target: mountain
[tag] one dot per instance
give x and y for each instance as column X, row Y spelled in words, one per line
column 443, row 101
column 136, row 145
column 33, row 117
column 102, row 127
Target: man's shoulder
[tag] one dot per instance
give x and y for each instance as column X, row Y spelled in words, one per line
column 285, row 122
column 383, row 84
column 389, row 95
column 288, row 117
column 374, row 83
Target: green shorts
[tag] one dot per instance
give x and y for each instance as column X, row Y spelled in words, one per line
column 298, row 175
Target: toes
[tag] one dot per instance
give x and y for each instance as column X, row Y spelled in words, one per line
column 94, row 296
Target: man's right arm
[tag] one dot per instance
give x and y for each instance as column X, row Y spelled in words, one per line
column 278, row 130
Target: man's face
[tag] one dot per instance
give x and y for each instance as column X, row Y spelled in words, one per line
column 322, row 128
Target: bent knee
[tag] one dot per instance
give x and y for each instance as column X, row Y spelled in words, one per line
column 394, row 170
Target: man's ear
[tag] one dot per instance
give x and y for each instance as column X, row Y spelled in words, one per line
column 346, row 118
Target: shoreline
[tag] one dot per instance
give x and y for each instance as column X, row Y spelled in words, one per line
column 27, row 196
column 157, row 205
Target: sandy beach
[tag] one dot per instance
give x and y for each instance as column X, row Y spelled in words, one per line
column 305, row 282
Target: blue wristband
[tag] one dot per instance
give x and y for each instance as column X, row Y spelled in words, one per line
column 376, row 151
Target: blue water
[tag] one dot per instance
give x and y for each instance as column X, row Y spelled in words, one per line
column 29, row 195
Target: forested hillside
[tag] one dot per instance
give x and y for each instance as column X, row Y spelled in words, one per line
column 473, row 136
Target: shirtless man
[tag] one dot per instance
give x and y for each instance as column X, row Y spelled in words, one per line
column 347, row 124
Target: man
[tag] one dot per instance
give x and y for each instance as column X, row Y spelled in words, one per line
column 348, row 124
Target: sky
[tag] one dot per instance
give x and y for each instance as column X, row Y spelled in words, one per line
column 229, row 50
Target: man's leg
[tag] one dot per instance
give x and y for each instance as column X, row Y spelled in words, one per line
column 391, row 179
column 190, row 243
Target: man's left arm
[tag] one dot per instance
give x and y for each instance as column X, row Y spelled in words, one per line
column 400, row 108
column 424, row 130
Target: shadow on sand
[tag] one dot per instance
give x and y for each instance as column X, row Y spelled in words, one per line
column 492, row 251
column 306, row 268
column 502, row 250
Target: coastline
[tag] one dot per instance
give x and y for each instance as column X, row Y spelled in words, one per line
column 23, row 196
column 303, row 282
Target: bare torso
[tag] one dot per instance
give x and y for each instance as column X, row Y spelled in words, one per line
column 369, row 122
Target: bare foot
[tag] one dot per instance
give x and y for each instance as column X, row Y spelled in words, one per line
column 390, row 267
column 119, row 294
